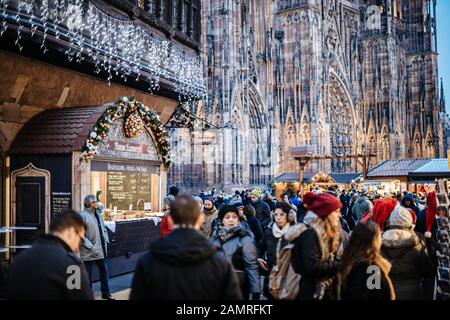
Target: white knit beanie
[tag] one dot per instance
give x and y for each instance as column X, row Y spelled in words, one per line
column 401, row 217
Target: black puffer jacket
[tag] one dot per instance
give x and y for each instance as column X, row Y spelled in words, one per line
column 184, row 266
column 262, row 213
column 410, row 263
column 307, row 261
column 43, row 272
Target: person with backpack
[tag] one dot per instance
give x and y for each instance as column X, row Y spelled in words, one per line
column 185, row 265
column 363, row 253
column 273, row 241
column 240, row 249
column 407, row 254
column 315, row 253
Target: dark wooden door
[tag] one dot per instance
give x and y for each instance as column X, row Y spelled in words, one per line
column 30, row 208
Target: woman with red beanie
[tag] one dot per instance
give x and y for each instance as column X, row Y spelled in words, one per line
column 315, row 250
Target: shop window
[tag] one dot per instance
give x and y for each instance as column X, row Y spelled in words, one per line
column 126, row 195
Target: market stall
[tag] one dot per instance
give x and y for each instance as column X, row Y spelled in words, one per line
column 392, row 176
column 119, row 151
column 289, row 181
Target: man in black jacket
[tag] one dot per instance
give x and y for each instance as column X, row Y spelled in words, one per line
column 185, row 265
column 262, row 209
column 50, row 270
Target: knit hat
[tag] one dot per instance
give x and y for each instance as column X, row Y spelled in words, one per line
column 236, row 202
column 225, row 209
column 256, row 192
column 308, row 198
column 401, row 217
column 431, row 212
column 382, row 209
column 208, row 198
column 324, row 204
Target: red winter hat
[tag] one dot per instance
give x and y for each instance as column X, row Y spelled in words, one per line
column 324, row 204
column 381, row 211
column 308, row 198
column 431, row 212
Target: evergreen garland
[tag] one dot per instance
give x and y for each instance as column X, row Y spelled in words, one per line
column 122, row 108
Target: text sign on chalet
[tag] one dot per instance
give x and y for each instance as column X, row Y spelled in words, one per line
column 117, row 145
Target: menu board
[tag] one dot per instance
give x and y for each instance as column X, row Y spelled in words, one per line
column 128, row 190
column 61, row 201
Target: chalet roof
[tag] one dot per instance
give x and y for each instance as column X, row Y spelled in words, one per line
column 395, row 168
column 56, row 131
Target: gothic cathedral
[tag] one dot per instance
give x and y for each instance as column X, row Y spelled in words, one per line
column 344, row 76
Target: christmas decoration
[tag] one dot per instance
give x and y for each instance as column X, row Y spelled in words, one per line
column 119, row 47
column 136, row 118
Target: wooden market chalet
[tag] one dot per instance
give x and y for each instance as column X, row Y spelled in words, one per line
column 86, row 92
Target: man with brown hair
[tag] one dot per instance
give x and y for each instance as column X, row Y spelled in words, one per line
column 185, row 265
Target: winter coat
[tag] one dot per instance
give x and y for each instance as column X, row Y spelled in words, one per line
column 240, row 248
column 43, row 272
column 361, row 206
column 209, row 217
column 93, row 246
column 269, row 246
column 184, row 266
column 317, row 266
column 165, row 227
column 355, row 285
column 270, row 203
column 263, row 213
column 410, row 262
column 255, row 228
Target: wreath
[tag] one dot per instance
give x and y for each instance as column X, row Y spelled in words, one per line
column 136, row 117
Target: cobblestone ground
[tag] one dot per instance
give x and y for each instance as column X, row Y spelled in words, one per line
column 119, row 286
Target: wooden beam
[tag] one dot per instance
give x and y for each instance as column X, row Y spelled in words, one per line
column 18, row 89
column 63, row 97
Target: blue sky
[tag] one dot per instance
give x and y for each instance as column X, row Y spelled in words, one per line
column 443, row 32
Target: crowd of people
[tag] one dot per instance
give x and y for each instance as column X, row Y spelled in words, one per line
column 323, row 245
column 335, row 238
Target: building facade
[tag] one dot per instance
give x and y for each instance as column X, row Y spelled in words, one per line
column 86, row 88
column 347, row 77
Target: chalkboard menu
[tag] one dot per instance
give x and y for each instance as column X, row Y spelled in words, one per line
column 128, row 190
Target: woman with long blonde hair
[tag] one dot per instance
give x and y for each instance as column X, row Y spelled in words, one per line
column 364, row 272
column 315, row 252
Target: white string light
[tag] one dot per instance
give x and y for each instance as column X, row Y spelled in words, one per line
column 119, row 47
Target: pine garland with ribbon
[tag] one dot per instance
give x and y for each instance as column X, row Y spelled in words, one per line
column 125, row 108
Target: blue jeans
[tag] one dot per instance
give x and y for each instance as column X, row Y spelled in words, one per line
column 102, row 265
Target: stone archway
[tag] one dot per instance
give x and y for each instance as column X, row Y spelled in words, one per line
column 342, row 120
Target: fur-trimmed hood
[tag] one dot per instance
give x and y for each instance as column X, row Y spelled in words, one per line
column 400, row 238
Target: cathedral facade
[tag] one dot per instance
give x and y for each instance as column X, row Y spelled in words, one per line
column 344, row 76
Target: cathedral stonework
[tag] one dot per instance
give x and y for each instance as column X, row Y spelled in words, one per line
column 347, row 77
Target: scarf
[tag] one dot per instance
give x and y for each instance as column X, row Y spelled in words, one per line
column 277, row 232
column 224, row 234
column 210, row 211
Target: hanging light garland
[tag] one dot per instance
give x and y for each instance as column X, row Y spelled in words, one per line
column 119, row 47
